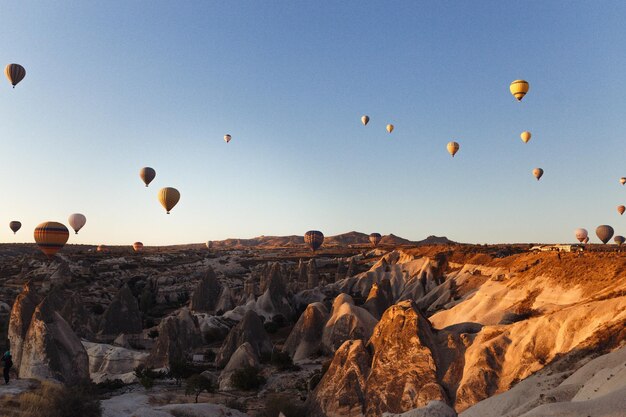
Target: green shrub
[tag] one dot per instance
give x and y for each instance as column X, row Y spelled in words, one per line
column 180, row 369
column 247, row 378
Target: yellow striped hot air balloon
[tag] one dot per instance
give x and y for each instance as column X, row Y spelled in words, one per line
column 51, row 237
column 168, row 197
column 15, row 73
column 453, row 148
column 525, row 136
column 519, row 88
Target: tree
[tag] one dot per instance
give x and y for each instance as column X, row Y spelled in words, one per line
column 196, row 384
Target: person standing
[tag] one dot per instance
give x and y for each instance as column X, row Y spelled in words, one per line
column 8, row 363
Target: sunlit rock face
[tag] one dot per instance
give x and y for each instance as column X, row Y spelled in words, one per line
column 51, row 350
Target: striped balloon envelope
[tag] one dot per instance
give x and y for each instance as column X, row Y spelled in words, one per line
column 519, row 88
column 168, row 197
column 15, row 73
column 51, row 237
column 314, row 239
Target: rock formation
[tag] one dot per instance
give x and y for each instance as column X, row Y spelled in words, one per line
column 77, row 316
column 274, row 300
column 433, row 409
column 379, row 299
column 51, row 350
column 313, row 276
column 346, row 322
column 178, row 336
column 250, row 329
column 113, row 362
column 244, row 356
column 341, row 391
column 21, row 315
column 305, row 340
column 122, row 315
column 206, row 296
column 400, row 374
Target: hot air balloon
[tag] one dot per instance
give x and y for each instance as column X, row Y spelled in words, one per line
column 77, row 221
column 519, row 88
column 525, row 136
column 15, row 73
column 453, row 148
column 390, row 128
column 50, row 237
column 619, row 240
column 314, row 239
column 15, row 226
column 365, row 120
column 621, row 209
column 227, row 138
column 168, row 197
column 538, row 173
column 622, row 180
column 208, row 245
column 604, row 233
column 375, row 239
column 586, row 240
column 101, row 248
column 581, row 234
column 137, row 246
column 147, row 174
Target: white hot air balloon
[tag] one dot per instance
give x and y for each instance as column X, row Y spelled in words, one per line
column 77, row 221
column 581, row 234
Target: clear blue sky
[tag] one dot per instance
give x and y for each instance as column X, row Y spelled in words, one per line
column 113, row 86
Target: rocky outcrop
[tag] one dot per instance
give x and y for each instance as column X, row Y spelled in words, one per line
column 313, row 276
column 21, row 315
column 244, row 356
column 122, row 315
column 250, row 329
column 397, row 372
column 226, row 301
column 305, row 340
column 404, row 366
column 178, row 336
column 346, row 322
column 274, row 300
column 51, row 350
column 113, row 362
column 341, row 391
column 77, row 316
column 206, row 296
column 379, row 298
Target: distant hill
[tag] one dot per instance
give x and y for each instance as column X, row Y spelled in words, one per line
column 436, row 240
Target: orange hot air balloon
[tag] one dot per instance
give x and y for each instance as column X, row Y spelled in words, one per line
column 137, row 246
column 621, row 209
column 390, row 128
column 51, row 237
column 453, row 148
column 538, row 173
column 622, row 180
column 14, row 73
column 525, row 136
column 15, row 226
